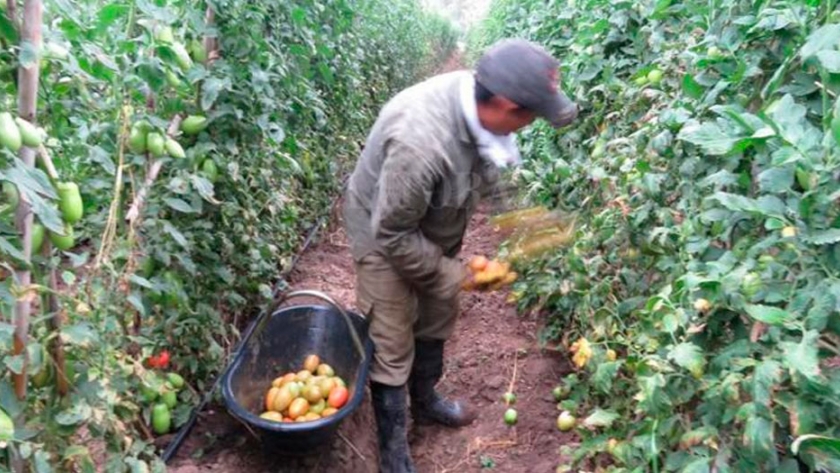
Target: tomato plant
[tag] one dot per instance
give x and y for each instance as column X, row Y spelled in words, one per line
column 703, row 171
column 183, row 148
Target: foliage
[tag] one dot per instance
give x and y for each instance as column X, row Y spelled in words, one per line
column 707, row 254
column 288, row 102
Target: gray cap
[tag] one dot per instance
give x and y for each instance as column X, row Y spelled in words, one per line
column 526, row 74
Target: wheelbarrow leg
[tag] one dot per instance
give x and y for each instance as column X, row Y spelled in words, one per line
column 389, row 406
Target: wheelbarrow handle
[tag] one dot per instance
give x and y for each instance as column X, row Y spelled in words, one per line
column 357, row 340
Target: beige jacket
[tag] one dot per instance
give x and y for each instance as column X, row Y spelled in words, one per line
column 417, row 184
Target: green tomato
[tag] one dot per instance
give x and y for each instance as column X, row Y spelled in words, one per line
column 66, row 241
column 511, row 416
column 654, row 76
column 170, row 398
column 208, row 167
column 751, row 284
column 38, row 232
column 148, row 393
column 161, row 419
column 509, row 398
column 560, row 393
column 566, row 421
column 155, row 144
column 176, row 380
column 11, row 193
column 70, row 203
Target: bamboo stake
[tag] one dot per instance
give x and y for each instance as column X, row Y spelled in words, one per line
column 27, row 101
column 210, row 44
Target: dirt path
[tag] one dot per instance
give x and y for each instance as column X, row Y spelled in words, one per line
column 479, row 364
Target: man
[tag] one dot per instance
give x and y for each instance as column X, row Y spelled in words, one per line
column 434, row 149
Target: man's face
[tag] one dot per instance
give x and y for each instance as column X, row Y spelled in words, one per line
column 501, row 116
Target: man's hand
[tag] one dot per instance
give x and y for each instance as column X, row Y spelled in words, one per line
column 487, row 275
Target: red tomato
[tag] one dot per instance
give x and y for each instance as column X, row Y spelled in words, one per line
column 338, row 396
column 163, row 359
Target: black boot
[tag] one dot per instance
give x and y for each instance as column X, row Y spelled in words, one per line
column 427, row 406
column 392, row 427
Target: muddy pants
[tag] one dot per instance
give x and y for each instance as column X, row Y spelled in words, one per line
column 398, row 314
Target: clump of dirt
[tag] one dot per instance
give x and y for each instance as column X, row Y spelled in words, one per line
column 490, row 339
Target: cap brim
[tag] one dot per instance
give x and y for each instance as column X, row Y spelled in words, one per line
column 559, row 112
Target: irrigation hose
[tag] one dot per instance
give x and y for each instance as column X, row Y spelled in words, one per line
column 184, row 431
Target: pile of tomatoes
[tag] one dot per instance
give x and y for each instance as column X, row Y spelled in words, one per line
column 310, row 394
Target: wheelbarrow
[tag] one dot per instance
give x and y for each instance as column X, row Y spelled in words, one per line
column 277, row 343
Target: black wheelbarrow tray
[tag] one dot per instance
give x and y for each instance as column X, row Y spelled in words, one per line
column 277, row 343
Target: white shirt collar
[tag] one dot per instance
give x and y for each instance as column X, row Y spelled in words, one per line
column 501, row 150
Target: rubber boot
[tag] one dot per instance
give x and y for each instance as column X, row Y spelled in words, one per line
column 427, row 406
column 389, row 407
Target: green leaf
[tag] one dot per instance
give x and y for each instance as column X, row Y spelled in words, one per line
column 604, row 375
column 600, row 418
column 109, row 15
column 136, row 302
column 34, row 184
column 700, row 465
column 651, row 396
column 758, row 436
column 11, row 250
column 42, row 462
column 768, row 314
column 689, row 356
column 822, row 237
column 765, row 377
column 9, row 401
column 803, row 357
column 179, row 205
column 709, row 136
column 776, row 179
column 691, row 87
column 774, row 224
column 7, row 30
column 819, row 452
column 141, row 281
column 791, row 123
column 83, row 334
column 211, row 89
column 825, row 37
column 830, row 61
column 80, row 455
column 205, row 188
column 15, row 363
column 7, row 427
column 76, row 414
column 766, row 205
column 175, row 234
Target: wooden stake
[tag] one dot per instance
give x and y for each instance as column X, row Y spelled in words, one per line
column 27, row 101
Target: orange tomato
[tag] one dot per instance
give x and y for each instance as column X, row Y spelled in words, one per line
column 269, row 398
column 299, row 408
column 338, row 397
column 478, row 263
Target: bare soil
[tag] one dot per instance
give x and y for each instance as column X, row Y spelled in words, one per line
column 490, row 338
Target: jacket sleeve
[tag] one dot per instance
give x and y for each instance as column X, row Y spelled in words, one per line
column 406, row 182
